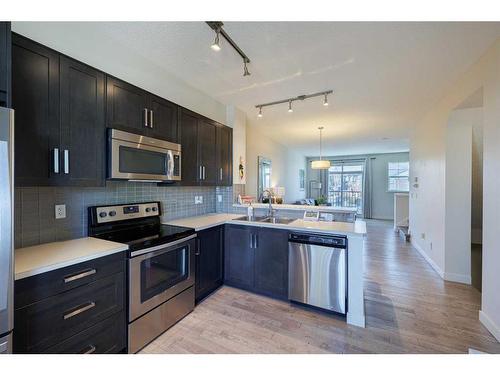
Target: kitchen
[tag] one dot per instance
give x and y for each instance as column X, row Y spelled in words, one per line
column 127, row 264
column 235, row 187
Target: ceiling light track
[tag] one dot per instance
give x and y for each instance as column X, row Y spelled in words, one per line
column 291, row 100
column 217, row 27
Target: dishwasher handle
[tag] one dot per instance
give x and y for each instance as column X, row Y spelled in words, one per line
column 319, row 239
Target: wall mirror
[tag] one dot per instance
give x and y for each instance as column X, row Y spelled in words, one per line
column 264, row 175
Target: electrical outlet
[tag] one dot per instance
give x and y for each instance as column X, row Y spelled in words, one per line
column 198, row 199
column 219, row 198
column 422, row 236
column 60, row 211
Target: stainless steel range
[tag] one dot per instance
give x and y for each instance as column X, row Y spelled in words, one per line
column 161, row 271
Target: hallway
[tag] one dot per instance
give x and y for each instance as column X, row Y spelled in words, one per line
column 409, row 309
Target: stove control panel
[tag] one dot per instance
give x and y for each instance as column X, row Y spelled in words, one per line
column 107, row 214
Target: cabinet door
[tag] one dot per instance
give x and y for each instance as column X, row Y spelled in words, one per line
column 239, row 256
column 224, row 156
column 35, row 98
column 188, row 126
column 271, row 262
column 5, row 64
column 207, row 136
column 82, row 123
column 126, row 107
column 209, row 261
column 163, row 119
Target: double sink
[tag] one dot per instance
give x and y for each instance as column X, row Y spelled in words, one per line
column 266, row 219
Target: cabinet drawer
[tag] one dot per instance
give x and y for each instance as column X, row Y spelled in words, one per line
column 43, row 324
column 107, row 336
column 35, row 288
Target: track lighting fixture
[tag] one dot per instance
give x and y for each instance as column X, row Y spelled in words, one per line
column 245, row 69
column 217, row 27
column 290, row 100
column 216, row 44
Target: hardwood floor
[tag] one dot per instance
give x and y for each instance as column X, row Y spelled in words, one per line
column 409, row 309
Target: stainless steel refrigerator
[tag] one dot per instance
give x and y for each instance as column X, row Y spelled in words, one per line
column 6, row 229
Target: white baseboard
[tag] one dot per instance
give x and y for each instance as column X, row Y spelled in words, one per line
column 489, row 324
column 436, row 268
column 458, row 278
column 356, row 320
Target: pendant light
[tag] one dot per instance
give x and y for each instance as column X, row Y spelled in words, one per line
column 320, row 164
column 325, row 101
column 216, row 44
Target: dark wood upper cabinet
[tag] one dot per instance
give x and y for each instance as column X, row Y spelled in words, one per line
column 35, row 99
column 127, row 107
column 209, row 261
column 224, row 155
column 163, row 119
column 207, row 136
column 5, row 64
column 82, row 123
column 188, row 130
column 59, row 104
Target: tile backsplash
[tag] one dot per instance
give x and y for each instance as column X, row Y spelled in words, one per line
column 35, row 221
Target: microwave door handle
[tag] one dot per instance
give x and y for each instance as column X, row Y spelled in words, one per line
column 170, row 164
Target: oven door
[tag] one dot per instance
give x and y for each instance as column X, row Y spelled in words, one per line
column 139, row 161
column 159, row 274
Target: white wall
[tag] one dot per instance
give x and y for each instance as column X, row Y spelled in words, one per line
column 237, row 119
column 116, row 59
column 458, row 194
column 285, row 164
column 427, row 156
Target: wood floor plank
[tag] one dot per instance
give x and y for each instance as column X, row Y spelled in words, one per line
column 409, row 309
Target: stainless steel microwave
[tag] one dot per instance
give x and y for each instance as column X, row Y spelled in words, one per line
column 139, row 158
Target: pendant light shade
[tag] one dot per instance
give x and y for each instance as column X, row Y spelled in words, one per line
column 320, row 164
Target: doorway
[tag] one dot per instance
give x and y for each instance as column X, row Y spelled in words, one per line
column 345, row 185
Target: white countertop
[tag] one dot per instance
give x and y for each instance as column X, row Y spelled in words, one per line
column 300, row 207
column 47, row 257
column 358, row 228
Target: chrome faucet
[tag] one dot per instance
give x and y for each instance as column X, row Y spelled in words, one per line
column 271, row 209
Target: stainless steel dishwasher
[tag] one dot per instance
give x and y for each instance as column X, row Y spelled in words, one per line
column 317, row 272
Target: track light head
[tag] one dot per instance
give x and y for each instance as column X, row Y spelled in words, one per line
column 325, row 101
column 260, row 112
column 290, row 110
column 245, row 69
column 216, row 44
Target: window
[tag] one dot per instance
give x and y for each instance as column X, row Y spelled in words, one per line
column 399, row 176
column 345, row 185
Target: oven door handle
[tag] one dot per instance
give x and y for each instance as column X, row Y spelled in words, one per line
column 166, row 247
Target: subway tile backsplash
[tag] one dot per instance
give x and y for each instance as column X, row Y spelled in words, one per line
column 35, row 221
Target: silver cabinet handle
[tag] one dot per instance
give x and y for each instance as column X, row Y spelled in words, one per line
column 80, row 275
column 56, row 160
column 78, row 310
column 145, row 117
column 204, row 172
column 251, row 241
column 221, row 174
column 201, row 172
column 151, row 119
column 66, row 161
column 256, row 241
column 88, row 350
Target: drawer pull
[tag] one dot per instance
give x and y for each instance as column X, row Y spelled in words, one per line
column 78, row 310
column 88, row 350
column 70, row 278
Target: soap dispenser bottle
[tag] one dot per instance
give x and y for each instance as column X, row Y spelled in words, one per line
column 250, row 211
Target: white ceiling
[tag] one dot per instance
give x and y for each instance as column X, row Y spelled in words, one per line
column 384, row 75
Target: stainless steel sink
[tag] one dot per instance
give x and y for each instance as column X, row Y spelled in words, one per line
column 266, row 219
column 277, row 220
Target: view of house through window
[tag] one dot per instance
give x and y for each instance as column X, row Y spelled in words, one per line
column 345, row 185
column 398, row 176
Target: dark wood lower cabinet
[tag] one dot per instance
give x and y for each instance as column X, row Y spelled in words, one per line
column 256, row 259
column 209, row 261
column 90, row 314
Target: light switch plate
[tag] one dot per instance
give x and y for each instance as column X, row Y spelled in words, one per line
column 60, row 211
column 219, row 198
